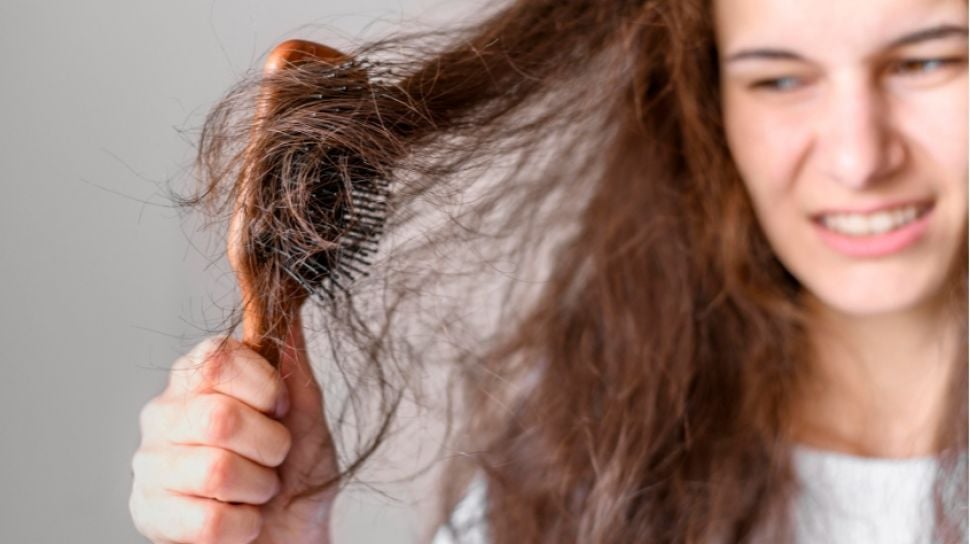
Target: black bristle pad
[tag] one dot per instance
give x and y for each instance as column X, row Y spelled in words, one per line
column 353, row 219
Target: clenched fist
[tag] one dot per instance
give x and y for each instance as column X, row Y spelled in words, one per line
column 228, row 443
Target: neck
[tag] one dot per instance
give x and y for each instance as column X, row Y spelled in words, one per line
column 875, row 386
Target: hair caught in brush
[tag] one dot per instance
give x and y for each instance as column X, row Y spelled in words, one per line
column 405, row 134
column 565, row 230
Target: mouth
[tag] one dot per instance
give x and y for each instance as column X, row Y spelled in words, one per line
column 878, row 232
column 873, row 223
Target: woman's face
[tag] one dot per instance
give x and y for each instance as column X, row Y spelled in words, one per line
column 847, row 120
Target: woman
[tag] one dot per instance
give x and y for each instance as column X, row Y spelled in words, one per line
column 760, row 273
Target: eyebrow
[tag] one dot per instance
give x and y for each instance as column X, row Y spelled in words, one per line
column 931, row 33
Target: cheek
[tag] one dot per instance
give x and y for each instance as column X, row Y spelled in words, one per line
column 935, row 128
column 767, row 146
column 938, row 122
column 953, row 151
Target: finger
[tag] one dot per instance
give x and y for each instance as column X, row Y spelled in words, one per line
column 168, row 517
column 225, row 365
column 221, row 421
column 206, row 472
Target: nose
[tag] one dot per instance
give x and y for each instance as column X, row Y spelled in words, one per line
column 860, row 144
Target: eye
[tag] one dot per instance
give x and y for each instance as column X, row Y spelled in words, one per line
column 781, row 84
column 917, row 67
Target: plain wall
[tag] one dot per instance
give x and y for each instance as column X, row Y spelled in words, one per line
column 104, row 284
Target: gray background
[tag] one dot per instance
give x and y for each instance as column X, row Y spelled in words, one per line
column 104, row 285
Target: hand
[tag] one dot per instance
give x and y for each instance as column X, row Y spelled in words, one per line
column 222, row 454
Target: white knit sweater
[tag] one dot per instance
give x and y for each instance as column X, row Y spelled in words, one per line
column 845, row 499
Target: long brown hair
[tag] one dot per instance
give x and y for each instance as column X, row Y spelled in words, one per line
column 569, row 232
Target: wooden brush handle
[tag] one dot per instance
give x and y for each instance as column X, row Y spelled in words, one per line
column 254, row 319
column 293, row 51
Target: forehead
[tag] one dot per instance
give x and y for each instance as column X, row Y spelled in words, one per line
column 826, row 24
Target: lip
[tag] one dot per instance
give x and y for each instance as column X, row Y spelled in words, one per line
column 921, row 203
column 877, row 245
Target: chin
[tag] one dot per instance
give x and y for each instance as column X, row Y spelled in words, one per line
column 870, row 302
column 877, row 289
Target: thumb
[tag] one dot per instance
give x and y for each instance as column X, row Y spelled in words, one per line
column 303, row 390
column 312, row 451
column 311, row 460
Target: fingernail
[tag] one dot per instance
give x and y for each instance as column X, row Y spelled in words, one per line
column 283, row 403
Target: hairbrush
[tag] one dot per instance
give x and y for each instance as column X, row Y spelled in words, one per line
column 346, row 200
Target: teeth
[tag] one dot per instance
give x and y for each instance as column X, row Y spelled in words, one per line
column 857, row 224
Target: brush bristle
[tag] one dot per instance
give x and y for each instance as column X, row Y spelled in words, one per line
column 329, row 237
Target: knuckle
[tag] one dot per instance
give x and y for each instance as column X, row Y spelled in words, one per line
column 215, row 518
column 204, row 364
column 183, row 363
column 137, row 511
column 212, row 369
column 140, row 462
column 211, row 345
column 144, row 510
column 222, row 522
column 218, row 473
column 220, row 419
column 154, row 418
column 147, row 415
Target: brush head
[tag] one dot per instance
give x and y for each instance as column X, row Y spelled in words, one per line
column 309, row 208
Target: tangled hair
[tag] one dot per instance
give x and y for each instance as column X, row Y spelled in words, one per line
column 568, row 232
